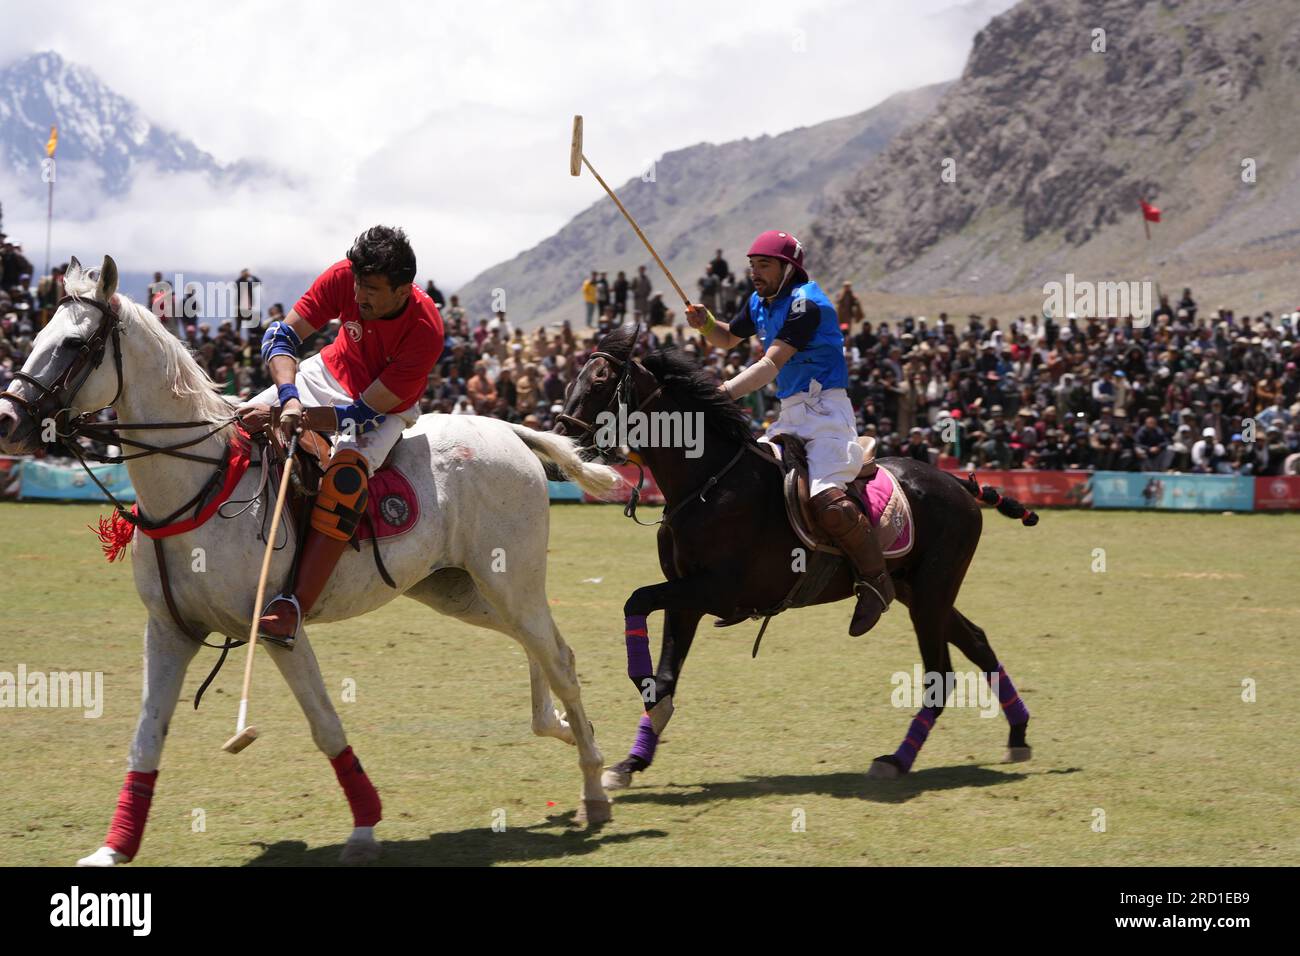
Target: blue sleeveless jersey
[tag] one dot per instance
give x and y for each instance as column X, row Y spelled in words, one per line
column 822, row 358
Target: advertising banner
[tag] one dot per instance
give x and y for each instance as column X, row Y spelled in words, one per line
column 1281, row 493
column 564, row 491
column 1168, row 492
column 59, row 481
column 650, row 493
column 11, row 470
column 1062, row 489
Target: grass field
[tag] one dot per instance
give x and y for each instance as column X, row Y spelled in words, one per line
column 1134, row 677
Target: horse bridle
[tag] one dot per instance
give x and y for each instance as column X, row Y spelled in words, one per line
column 55, row 400
column 61, row 394
column 624, row 394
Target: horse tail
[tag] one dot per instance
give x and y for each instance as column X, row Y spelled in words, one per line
column 1005, row 505
column 561, row 452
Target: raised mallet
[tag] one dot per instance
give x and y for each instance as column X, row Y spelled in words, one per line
column 576, row 161
column 245, row 734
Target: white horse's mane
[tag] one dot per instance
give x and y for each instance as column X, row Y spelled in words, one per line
column 179, row 368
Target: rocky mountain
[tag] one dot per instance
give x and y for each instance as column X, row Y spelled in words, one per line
column 1055, row 130
column 101, row 133
column 694, row 201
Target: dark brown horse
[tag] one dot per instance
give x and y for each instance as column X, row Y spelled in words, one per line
column 726, row 546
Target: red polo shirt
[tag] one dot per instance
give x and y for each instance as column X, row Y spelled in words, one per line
column 400, row 352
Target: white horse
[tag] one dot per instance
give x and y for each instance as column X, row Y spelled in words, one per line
column 477, row 552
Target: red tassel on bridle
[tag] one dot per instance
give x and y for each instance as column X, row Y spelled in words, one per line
column 114, row 534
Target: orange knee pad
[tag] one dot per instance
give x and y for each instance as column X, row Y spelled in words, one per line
column 342, row 498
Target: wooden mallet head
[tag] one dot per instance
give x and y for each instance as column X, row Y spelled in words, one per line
column 241, row 740
column 575, row 151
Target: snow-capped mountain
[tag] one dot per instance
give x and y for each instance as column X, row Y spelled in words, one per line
column 98, row 128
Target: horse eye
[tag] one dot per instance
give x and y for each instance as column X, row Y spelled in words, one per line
column 72, row 342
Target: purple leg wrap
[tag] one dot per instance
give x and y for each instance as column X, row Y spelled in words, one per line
column 915, row 739
column 1012, row 706
column 638, row 648
column 646, row 740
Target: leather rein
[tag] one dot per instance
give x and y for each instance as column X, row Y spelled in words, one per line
column 623, row 395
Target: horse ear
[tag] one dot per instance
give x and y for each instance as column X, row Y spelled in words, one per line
column 107, row 279
column 74, row 267
column 629, row 332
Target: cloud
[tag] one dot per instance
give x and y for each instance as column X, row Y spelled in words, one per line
column 453, row 119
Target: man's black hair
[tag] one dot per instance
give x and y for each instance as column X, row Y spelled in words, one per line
column 383, row 251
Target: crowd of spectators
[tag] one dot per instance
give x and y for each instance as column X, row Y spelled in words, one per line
column 1187, row 392
column 1190, row 392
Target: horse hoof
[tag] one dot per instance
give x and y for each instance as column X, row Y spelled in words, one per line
column 1018, row 754
column 356, row 852
column 883, row 770
column 594, row 812
column 616, row 779
column 104, row 856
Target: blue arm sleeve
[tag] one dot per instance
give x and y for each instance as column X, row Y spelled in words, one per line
column 279, row 339
column 362, row 416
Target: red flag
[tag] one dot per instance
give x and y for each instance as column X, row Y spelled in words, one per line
column 1149, row 212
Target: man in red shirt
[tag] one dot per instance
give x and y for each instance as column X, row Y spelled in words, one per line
column 365, row 387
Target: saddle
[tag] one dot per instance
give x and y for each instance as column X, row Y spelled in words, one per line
column 793, row 461
column 825, row 558
column 312, row 456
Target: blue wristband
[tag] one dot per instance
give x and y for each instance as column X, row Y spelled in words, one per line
column 287, row 391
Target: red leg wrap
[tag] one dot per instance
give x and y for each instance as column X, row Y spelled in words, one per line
column 127, row 829
column 363, row 798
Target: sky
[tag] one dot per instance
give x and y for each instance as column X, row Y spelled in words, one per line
column 450, row 119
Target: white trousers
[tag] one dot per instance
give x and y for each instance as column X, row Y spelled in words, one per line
column 824, row 419
column 316, row 386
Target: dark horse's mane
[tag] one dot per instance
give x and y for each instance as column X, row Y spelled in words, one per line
column 687, row 383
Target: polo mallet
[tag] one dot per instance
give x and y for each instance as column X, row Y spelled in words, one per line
column 576, row 161
column 244, row 734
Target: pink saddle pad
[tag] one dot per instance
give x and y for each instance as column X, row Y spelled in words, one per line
column 889, row 511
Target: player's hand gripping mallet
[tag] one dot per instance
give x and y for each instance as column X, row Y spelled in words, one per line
column 245, row 734
column 576, row 161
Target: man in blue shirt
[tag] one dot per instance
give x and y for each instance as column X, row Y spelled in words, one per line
column 804, row 354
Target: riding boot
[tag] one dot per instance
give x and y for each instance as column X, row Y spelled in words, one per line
column 284, row 615
column 848, row 526
column 334, row 518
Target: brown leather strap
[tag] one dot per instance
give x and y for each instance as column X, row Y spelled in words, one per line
column 184, row 628
column 167, row 588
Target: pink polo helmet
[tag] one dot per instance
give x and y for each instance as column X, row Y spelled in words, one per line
column 780, row 245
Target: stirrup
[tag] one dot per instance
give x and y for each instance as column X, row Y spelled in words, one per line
column 285, row 642
column 862, row 585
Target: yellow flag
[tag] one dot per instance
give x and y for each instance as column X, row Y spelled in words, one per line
column 54, row 141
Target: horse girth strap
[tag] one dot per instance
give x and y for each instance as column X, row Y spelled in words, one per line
column 185, row 629
column 805, row 589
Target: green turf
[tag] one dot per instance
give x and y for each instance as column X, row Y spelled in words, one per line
column 1134, row 678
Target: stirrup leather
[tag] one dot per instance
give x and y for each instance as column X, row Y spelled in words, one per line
column 285, row 642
